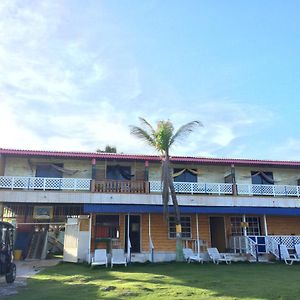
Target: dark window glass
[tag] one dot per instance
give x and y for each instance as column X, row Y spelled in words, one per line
column 252, row 229
column 258, row 178
column 48, row 171
column 118, row 173
column 186, row 176
column 185, row 227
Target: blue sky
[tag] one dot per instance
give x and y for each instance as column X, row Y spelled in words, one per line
column 75, row 74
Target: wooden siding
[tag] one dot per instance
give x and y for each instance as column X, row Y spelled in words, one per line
column 283, row 225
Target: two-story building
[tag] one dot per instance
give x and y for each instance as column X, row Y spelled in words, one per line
column 236, row 205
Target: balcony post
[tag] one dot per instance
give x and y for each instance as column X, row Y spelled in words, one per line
column 93, row 182
column 146, row 178
column 234, row 185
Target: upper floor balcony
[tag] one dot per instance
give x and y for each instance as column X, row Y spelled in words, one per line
column 145, row 187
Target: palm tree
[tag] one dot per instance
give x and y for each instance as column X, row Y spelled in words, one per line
column 161, row 139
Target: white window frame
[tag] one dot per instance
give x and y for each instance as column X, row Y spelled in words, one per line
column 183, row 237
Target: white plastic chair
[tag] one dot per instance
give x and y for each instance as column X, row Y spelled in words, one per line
column 297, row 249
column 218, row 257
column 286, row 256
column 189, row 255
column 100, row 258
column 118, row 257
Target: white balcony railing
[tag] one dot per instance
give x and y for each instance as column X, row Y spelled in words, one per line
column 195, row 188
column 268, row 190
column 41, row 183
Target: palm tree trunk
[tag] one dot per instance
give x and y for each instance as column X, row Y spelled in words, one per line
column 179, row 250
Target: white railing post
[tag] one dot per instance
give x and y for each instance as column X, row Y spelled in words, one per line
column 219, row 189
column 44, row 183
column 192, row 188
column 75, row 184
column 12, row 183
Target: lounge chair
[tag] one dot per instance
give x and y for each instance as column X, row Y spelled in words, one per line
column 118, row 257
column 218, row 257
column 189, row 255
column 297, row 249
column 286, row 256
column 100, row 258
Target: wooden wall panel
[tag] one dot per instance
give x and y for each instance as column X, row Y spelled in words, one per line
column 283, row 225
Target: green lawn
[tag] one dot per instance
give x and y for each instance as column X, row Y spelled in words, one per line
column 165, row 281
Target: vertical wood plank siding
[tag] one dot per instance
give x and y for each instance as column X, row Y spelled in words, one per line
column 283, row 225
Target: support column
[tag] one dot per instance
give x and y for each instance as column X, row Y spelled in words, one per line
column 151, row 246
column 146, row 177
column 93, row 183
column 234, row 186
column 198, row 240
column 244, row 227
column 265, row 225
column 128, row 239
column 90, row 238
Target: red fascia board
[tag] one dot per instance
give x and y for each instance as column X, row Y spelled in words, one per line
column 178, row 159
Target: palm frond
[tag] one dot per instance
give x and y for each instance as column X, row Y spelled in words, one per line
column 147, row 125
column 185, row 130
column 142, row 135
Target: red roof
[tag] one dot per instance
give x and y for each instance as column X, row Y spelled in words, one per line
column 179, row 159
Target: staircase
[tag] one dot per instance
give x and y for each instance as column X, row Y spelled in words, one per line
column 37, row 245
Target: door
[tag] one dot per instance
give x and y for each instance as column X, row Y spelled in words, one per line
column 71, row 242
column 217, row 233
column 134, row 233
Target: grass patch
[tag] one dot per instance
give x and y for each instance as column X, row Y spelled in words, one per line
column 165, row 281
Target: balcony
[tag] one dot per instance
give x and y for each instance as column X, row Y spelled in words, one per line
column 144, row 187
column 41, row 183
column 120, row 186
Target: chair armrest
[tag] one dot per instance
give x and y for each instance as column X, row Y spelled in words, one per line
column 293, row 256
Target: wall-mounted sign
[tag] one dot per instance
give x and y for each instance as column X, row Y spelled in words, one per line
column 43, row 212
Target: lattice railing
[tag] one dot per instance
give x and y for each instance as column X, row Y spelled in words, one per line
column 268, row 190
column 289, row 240
column 195, row 188
column 42, row 183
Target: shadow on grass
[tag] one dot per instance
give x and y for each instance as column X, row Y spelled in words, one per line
column 165, row 281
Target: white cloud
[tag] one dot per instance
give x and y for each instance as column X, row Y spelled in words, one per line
column 61, row 90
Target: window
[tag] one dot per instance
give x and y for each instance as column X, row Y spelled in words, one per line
column 236, row 228
column 259, row 177
column 252, row 229
column 49, row 170
column 107, row 226
column 186, row 176
column 118, row 173
column 185, row 227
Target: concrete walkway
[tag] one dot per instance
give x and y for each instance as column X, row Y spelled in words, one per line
column 25, row 269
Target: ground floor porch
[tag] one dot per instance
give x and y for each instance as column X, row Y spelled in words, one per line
column 144, row 233
column 150, row 237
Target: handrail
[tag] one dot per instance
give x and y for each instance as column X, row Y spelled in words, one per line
column 121, row 186
column 195, row 188
column 268, row 190
column 44, row 183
